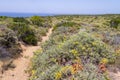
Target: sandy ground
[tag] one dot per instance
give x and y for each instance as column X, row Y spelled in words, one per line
column 22, row 63
column 115, row 76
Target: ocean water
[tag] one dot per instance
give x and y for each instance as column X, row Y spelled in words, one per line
column 12, row 14
column 23, row 14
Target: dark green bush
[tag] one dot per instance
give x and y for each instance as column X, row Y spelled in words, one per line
column 20, row 19
column 37, row 20
column 24, row 33
column 19, row 28
column 66, row 24
column 115, row 22
column 3, row 18
column 29, row 38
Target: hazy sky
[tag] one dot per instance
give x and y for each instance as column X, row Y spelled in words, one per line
column 61, row 6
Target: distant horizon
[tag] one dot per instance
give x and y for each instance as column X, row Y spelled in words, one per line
column 56, row 13
column 23, row 14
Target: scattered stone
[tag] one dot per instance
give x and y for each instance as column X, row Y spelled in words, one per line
column 13, row 75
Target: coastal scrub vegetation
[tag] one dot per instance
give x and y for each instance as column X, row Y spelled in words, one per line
column 16, row 31
column 82, row 47
column 79, row 48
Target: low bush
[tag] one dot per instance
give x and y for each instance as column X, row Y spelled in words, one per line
column 24, row 33
column 66, row 24
column 9, row 45
column 2, row 18
column 68, row 59
column 61, row 34
column 20, row 19
column 37, row 20
column 115, row 22
column 29, row 38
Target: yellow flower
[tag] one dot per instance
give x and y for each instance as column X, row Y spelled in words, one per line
column 76, row 43
column 104, row 60
column 83, row 48
column 64, row 68
column 72, row 70
column 75, row 52
column 93, row 43
column 33, row 72
column 53, row 59
column 58, row 75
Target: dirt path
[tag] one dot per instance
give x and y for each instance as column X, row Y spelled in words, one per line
column 22, row 63
column 115, row 76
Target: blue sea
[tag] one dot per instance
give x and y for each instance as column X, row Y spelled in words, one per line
column 13, row 14
column 23, row 14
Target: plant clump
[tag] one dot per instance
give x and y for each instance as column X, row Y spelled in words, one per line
column 9, row 45
column 69, row 59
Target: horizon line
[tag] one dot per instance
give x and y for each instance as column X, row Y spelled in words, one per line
column 57, row 13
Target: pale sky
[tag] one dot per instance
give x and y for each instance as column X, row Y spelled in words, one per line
column 61, row 6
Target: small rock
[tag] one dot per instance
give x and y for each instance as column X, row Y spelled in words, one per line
column 12, row 75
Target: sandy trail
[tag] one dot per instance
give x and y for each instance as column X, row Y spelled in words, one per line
column 22, row 63
column 115, row 76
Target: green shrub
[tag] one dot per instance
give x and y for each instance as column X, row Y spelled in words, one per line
column 115, row 22
column 82, row 46
column 43, row 31
column 9, row 45
column 61, row 34
column 20, row 19
column 90, row 73
column 36, row 20
column 93, row 45
column 24, row 33
column 29, row 38
column 66, row 24
column 2, row 18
